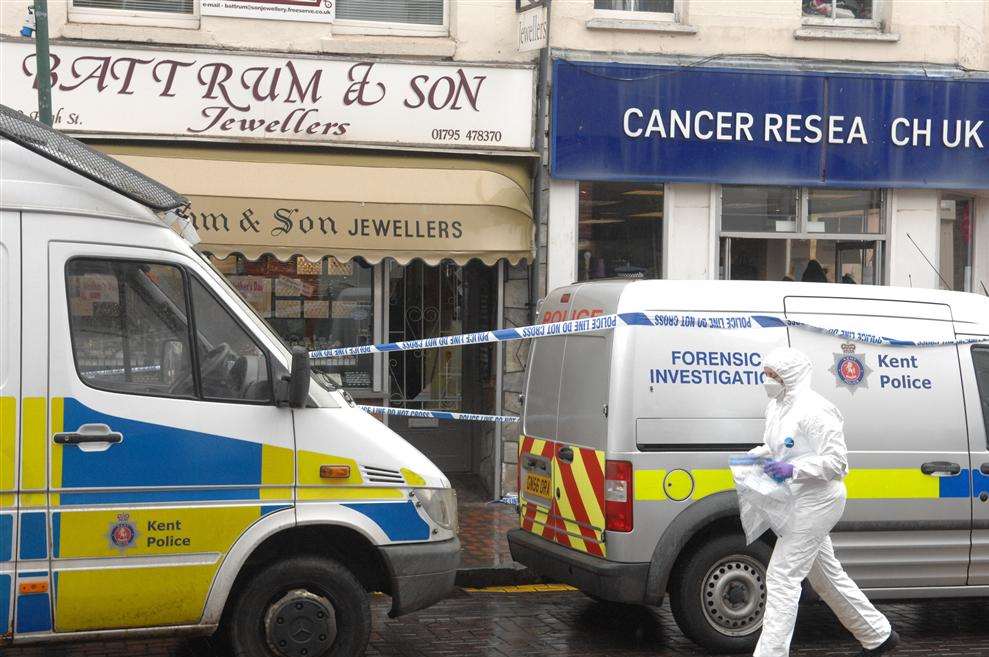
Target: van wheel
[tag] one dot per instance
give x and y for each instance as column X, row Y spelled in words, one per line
column 719, row 594
column 300, row 607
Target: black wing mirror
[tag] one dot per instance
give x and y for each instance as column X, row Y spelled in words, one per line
column 295, row 386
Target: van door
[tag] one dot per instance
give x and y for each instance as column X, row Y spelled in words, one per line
column 908, row 518
column 562, row 450
column 165, row 443
column 975, row 378
column 10, row 384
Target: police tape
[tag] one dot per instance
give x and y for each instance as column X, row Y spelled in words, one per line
column 439, row 415
column 610, row 322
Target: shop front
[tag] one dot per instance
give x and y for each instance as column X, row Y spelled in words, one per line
column 405, row 229
column 344, row 249
column 769, row 171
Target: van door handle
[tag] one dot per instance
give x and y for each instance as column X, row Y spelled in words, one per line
column 565, row 454
column 941, row 468
column 89, row 433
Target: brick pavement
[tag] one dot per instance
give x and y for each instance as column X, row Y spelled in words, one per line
column 565, row 623
column 483, row 525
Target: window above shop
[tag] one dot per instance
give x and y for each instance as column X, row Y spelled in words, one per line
column 746, row 209
column 848, row 20
column 158, row 13
column 667, row 16
column 392, row 17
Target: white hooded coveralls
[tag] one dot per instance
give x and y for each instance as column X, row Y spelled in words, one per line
column 805, row 430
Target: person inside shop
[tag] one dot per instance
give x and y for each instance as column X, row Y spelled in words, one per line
column 848, row 279
column 814, row 273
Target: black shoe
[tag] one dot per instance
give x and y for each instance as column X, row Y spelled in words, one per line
column 887, row 646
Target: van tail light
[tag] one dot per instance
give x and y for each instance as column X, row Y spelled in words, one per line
column 618, row 496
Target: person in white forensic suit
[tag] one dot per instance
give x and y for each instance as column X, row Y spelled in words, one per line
column 805, row 443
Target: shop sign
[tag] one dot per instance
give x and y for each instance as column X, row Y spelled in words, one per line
column 660, row 123
column 533, row 29
column 104, row 90
column 318, row 11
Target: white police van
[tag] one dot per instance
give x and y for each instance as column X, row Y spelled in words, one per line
column 625, row 489
column 166, row 464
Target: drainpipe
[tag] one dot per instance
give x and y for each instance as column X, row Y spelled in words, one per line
column 42, row 62
column 542, row 100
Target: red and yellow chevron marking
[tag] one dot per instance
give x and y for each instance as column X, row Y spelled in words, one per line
column 575, row 518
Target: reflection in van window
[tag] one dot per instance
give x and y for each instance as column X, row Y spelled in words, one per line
column 231, row 364
column 980, row 358
column 128, row 325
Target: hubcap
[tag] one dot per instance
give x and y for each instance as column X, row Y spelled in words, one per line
column 300, row 624
column 733, row 595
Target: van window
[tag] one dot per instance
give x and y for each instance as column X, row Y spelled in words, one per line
column 128, row 325
column 231, row 365
column 584, row 385
column 980, row 359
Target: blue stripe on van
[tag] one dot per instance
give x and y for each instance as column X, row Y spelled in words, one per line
column 34, row 536
column 34, row 613
column 6, row 537
column 156, row 455
column 399, row 520
column 6, row 582
column 955, row 486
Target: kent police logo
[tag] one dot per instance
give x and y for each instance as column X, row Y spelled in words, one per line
column 850, row 369
column 123, row 533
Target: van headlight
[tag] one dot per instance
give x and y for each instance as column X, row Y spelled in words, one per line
column 440, row 505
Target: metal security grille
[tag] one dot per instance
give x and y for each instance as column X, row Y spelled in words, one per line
column 419, row 12
column 167, row 6
column 76, row 156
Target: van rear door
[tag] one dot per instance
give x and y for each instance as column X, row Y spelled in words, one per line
column 562, row 450
column 909, row 512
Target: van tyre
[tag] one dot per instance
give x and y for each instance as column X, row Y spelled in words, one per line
column 718, row 595
column 300, row 607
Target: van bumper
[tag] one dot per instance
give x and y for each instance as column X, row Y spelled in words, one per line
column 608, row 580
column 421, row 574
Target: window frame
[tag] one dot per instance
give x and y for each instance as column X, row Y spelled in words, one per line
column 383, row 28
column 881, row 239
column 108, row 16
column 876, row 24
column 187, row 275
column 678, row 15
column 980, row 346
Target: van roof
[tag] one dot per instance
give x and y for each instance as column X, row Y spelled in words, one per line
column 768, row 295
column 29, row 181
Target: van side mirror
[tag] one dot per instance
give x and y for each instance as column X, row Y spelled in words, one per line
column 294, row 387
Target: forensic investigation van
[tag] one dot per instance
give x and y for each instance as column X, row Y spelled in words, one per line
column 167, row 465
column 625, row 487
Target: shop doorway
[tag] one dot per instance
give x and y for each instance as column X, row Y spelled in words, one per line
column 432, row 301
column 956, row 242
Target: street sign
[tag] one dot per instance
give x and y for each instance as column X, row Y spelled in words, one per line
column 532, row 32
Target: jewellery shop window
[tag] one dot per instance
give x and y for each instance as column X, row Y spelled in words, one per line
column 314, row 304
column 619, row 230
column 809, row 235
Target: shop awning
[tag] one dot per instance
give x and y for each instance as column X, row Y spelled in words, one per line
column 255, row 201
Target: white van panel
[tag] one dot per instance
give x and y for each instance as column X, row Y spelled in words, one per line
column 702, row 432
column 870, row 307
column 703, row 374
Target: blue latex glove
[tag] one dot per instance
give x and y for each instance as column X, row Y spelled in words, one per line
column 778, row 470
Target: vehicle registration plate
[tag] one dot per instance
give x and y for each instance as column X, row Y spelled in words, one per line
column 537, row 485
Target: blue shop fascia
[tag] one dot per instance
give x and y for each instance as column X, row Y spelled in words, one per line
column 768, row 169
